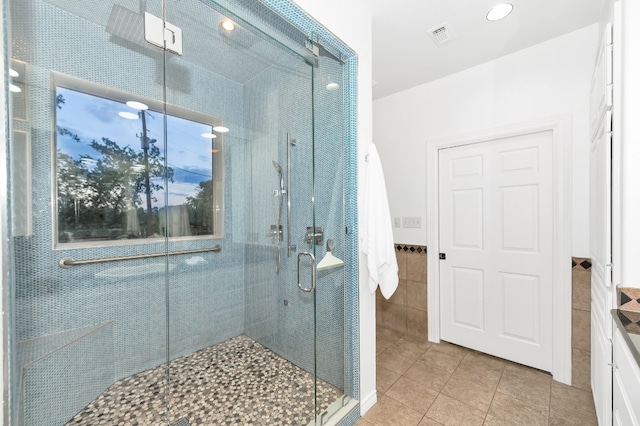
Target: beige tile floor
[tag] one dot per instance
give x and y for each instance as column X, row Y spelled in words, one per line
column 425, row 384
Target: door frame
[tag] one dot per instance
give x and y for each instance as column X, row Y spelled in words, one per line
column 560, row 126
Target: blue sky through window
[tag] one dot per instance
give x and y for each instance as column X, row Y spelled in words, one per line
column 93, row 118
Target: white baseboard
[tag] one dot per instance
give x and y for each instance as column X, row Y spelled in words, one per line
column 367, row 402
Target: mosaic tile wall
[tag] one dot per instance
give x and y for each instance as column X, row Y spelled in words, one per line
column 43, row 376
column 287, row 327
column 207, row 302
column 307, row 26
column 51, row 302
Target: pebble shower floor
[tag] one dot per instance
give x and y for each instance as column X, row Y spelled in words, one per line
column 237, row 382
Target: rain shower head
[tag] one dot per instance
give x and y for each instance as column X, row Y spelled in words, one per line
column 126, row 24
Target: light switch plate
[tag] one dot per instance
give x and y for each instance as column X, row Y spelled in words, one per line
column 412, row 222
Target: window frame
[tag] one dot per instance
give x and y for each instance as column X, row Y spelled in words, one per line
column 59, row 80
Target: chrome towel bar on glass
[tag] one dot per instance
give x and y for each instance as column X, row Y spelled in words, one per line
column 67, row 262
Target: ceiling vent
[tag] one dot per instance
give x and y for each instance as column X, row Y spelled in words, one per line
column 442, row 34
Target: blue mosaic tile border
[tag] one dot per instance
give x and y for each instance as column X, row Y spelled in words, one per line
column 350, row 418
column 351, row 220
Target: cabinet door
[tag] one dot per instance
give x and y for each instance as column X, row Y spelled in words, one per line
column 622, row 415
column 601, row 230
column 602, row 80
column 626, row 384
column 601, row 354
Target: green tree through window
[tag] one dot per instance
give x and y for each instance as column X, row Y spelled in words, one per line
column 116, row 181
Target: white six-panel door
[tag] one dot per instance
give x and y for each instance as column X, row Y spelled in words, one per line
column 496, row 227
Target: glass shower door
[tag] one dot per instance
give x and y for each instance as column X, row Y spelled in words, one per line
column 242, row 329
column 329, row 215
column 89, row 305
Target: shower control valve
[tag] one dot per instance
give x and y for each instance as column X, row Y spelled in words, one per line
column 275, row 232
column 315, row 235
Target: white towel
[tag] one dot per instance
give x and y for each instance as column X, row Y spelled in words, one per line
column 376, row 236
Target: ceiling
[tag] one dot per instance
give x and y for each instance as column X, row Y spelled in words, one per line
column 404, row 55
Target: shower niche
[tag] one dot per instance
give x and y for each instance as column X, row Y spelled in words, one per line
column 158, row 276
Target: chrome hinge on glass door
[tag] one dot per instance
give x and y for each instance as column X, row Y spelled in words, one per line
column 162, row 34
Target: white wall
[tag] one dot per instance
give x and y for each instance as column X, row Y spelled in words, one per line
column 549, row 79
column 353, row 26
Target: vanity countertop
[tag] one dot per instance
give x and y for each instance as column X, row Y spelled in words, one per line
column 629, row 324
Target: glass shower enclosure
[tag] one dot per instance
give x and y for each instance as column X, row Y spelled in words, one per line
column 178, row 231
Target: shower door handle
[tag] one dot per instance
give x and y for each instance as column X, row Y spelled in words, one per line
column 313, row 272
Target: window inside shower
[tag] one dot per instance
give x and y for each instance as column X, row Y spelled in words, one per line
column 116, row 181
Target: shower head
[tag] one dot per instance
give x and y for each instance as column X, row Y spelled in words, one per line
column 127, row 27
column 276, row 166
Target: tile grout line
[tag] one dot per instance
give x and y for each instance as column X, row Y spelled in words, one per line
column 434, row 399
column 549, row 409
column 440, row 392
column 458, row 365
column 402, row 375
column 504, row 367
column 456, row 399
column 399, row 376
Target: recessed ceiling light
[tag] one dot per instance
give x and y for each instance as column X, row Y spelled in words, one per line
column 208, row 135
column 15, row 89
column 333, row 86
column 128, row 115
column 220, row 129
column 228, row 25
column 137, row 105
column 500, row 11
column 13, row 73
